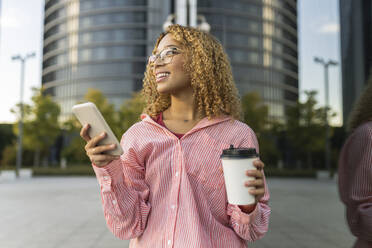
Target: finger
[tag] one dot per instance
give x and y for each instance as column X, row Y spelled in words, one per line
column 101, row 149
column 103, row 158
column 260, row 191
column 93, row 142
column 254, row 173
column 254, row 183
column 84, row 132
column 258, row 164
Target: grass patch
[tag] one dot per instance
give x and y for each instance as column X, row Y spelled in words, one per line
column 69, row 171
column 275, row 172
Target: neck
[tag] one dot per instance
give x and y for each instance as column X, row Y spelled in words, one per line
column 183, row 108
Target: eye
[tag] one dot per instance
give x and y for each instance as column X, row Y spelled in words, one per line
column 170, row 52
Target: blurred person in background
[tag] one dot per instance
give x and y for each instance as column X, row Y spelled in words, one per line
column 355, row 170
column 167, row 189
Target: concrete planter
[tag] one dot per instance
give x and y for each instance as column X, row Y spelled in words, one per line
column 7, row 175
column 322, row 175
column 25, row 173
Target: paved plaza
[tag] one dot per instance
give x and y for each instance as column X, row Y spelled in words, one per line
column 67, row 212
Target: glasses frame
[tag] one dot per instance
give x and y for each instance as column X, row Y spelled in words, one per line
column 163, row 56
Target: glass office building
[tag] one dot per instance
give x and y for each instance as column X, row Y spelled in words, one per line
column 260, row 37
column 356, row 50
column 104, row 44
column 97, row 44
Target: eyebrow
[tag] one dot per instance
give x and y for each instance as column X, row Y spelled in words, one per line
column 171, row 45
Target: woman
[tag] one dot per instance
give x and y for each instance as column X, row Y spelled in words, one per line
column 167, row 189
column 355, row 171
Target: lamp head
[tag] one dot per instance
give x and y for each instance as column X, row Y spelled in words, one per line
column 332, row 62
column 16, row 57
column 318, row 60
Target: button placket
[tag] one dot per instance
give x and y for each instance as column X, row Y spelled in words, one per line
column 177, row 162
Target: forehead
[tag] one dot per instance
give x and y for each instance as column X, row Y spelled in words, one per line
column 166, row 42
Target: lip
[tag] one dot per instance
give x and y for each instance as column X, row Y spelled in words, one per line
column 156, row 73
column 162, row 78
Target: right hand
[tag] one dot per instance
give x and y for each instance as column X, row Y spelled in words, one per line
column 94, row 152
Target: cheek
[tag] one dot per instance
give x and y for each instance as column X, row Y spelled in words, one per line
column 180, row 72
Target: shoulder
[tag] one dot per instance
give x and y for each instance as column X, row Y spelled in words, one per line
column 236, row 126
column 236, row 132
column 362, row 135
column 359, row 140
column 363, row 130
column 137, row 131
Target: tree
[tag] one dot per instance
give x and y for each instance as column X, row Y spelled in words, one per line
column 130, row 111
column 256, row 116
column 7, row 137
column 116, row 120
column 306, row 128
column 41, row 126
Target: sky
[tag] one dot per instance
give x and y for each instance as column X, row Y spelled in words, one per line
column 21, row 29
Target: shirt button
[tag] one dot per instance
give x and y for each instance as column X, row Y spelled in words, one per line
column 169, row 242
column 173, row 206
column 114, row 202
column 106, row 177
column 177, row 174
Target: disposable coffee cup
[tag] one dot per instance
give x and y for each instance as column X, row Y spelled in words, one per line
column 235, row 163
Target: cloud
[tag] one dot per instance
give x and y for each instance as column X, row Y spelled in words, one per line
column 330, row 28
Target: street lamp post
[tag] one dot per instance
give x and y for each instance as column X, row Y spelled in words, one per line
column 186, row 14
column 20, row 123
column 326, row 82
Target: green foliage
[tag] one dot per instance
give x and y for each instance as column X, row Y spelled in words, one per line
column 9, row 157
column 119, row 122
column 306, row 128
column 69, row 171
column 41, row 127
column 256, row 116
column 131, row 111
column 7, row 137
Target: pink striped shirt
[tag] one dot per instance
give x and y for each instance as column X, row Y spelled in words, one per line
column 170, row 192
column 355, row 183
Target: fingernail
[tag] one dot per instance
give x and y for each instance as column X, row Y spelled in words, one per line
column 103, row 134
column 113, row 145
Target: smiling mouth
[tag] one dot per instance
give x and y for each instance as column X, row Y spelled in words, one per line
column 162, row 76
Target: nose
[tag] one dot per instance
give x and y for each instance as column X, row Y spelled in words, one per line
column 158, row 61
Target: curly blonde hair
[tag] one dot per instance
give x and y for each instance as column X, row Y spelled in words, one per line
column 212, row 82
column 362, row 110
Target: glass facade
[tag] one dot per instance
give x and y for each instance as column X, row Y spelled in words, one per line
column 97, row 44
column 260, row 38
column 104, row 44
column 356, row 50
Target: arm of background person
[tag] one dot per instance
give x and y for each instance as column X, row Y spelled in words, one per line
column 355, row 183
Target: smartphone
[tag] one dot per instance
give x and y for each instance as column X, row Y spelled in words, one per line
column 88, row 113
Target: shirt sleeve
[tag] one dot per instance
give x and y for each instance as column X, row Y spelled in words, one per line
column 124, row 193
column 355, row 182
column 251, row 226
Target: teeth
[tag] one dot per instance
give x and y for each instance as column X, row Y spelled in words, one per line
column 163, row 74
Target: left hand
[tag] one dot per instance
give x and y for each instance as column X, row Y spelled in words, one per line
column 258, row 183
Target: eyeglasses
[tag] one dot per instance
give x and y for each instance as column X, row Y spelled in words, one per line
column 165, row 56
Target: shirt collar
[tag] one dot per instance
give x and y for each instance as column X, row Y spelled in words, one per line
column 203, row 123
